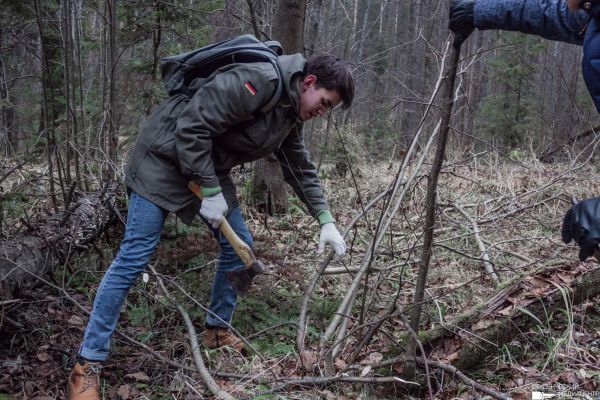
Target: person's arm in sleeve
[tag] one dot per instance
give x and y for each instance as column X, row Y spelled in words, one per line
column 230, row 97
column 550, row 19
column 302, row 176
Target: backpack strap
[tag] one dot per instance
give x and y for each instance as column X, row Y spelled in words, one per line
column 277, row 93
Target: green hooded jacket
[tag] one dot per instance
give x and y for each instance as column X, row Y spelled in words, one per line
column 201, row 138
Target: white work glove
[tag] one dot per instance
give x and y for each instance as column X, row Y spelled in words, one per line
column 331, row 236
column 213, row 209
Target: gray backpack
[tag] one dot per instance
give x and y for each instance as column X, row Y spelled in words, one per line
column 179, row 70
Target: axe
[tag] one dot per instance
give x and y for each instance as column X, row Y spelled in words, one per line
column 240, row 279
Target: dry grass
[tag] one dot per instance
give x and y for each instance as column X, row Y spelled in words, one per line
column 518, row 207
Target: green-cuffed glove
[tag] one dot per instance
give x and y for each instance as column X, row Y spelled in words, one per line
column 331, row 236
column 213, row 209
column 462, row 19
column 582, row 224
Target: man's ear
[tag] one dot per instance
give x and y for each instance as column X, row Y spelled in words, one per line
column 308, row 81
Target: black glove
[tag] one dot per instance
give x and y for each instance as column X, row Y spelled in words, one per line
column 592, row 7
column 582, row 224
column 462, row 19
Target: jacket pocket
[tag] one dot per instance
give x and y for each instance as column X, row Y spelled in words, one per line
column 163, row 144
column 165, row 147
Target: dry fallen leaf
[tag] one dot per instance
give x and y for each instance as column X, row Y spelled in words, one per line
column 536, row 282
column 372, row 358
column 138, row 377
column 329, row 395
column 339, row 364
column 566, row 278
column 309, row 359
column 568, row 377
column 482, row 324
column 505, row 311
column 519, row 395
column 75, row 320
column 451, row 357
column 126, row 392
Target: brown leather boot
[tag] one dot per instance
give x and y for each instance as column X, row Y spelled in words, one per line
column 84, row 382
column 215, row 337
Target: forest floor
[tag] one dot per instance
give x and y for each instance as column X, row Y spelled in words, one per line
column 518, row 205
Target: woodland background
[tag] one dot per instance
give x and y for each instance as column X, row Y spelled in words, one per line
column 78, row 78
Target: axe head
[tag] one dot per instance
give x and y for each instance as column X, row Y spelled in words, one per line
column 242, row 278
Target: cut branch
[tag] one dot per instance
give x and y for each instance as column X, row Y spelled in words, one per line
column 487, row 265
column 206, row 377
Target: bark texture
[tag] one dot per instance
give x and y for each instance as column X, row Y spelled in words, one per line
column 49, row 244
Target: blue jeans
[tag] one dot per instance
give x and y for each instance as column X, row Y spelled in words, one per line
column 144, row 224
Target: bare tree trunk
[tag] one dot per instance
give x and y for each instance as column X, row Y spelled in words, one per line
column 224, row 21
column 409, row 115
column 156, row 37
column 473, row 96
column 66, row 36
column 112, row 94
column 363, row 32
column 103, row 139
column 316, row 8
column 7, row 136
column 73, row 110
column 77, row 30
column 289, row 25
column 430, row 204
column 46, row 121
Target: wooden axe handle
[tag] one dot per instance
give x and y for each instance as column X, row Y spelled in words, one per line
column 239, row 246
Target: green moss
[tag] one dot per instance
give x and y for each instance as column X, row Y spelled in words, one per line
column 174, row 228
column 14, row 204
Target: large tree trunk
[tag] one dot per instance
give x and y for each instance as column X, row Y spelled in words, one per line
column 289, row 25
column 48, row 245
column 289, row 31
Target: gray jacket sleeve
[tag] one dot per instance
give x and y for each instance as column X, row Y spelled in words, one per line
column 550, row 19
column 300, row 173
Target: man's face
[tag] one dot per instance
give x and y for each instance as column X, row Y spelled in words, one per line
column 315, row 101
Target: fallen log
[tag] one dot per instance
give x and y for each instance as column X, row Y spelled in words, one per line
column 515, row 309
column 548, row 154
column 49, row 244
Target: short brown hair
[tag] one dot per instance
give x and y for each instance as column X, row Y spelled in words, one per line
column 332, row 73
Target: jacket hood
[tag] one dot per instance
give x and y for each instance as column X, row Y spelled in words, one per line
column 291, row 67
